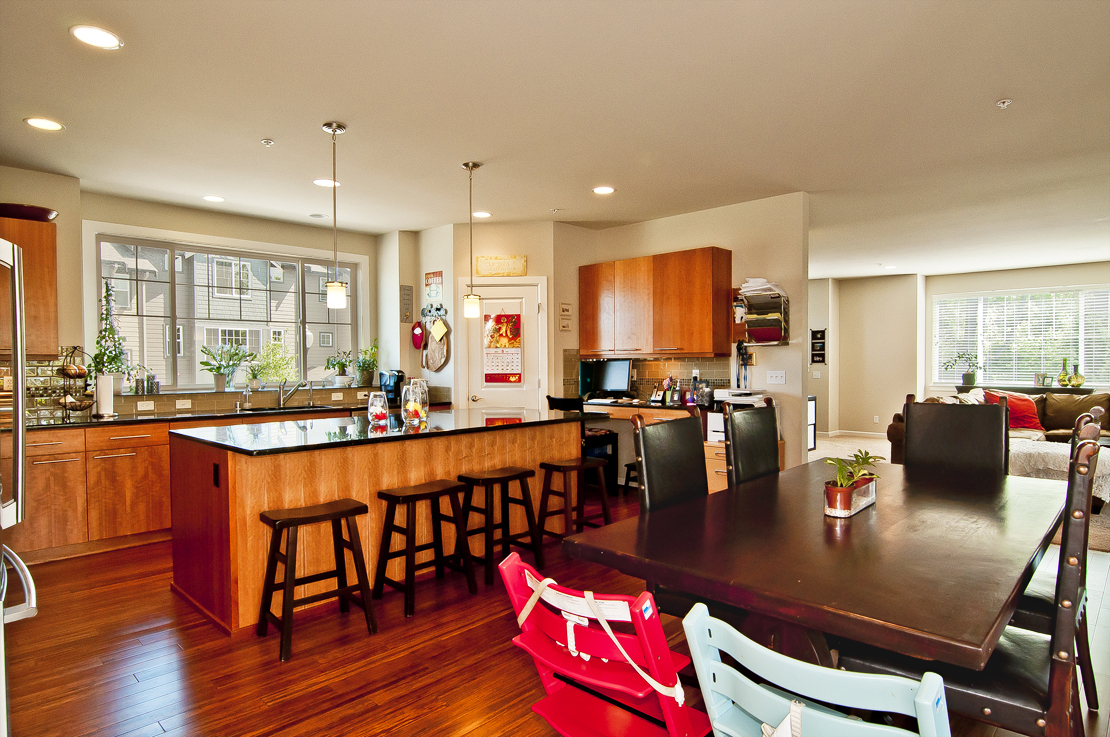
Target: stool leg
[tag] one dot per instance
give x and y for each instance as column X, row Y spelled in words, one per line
column 604, row 495
column 340, row 565
column 383, row 549
column 568, row 508
column 537, row 537
column 504, row 485
column 462, row 544
column 488, row 558
column 545, row 500
column 437, row 534
column 268, row 588
column 580, row 506
column 360, row 573
column 288, row 593
column 410, row 559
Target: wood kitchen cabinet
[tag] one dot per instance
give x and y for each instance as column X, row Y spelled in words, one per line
column 692, row 297
column 633, row 306
column 40, row 286
column 56, row 510
column 595, row 310
column 128, row 490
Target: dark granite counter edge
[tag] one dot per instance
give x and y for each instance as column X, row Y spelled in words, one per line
column 186, row 416
column 385, row 438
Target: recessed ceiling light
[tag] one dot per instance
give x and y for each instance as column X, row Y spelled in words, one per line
column 44, row 124
column 604, row 190
column 888, row 268
column 1003, row 104
column 481, row 214
column 326, row 183
column 213, row 198
column 267, row 142
column 318, row 215
column 97, row 37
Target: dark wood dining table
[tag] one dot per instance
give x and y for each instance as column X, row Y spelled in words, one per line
column 933, row 569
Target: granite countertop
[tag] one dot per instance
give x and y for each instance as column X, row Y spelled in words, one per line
column 142, row 417
column 286, row 437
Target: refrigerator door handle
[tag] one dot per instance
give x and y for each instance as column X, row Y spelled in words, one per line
column 30, row 607
column 12, row 511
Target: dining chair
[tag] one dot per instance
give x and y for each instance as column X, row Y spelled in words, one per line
column 1036, row 610
column 1029, row 684
column 670, row 462
column 970, row 438
column 566, row 404
column 786, row 689
column 751, row 442
column 599, row 682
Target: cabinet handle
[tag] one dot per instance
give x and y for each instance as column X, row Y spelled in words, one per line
column 723, row 473
column 128, row 437
column 662, row 419
column 677, row 348
column 720, row 453
column 52, row 442
column 59, row 460
column 117, row 455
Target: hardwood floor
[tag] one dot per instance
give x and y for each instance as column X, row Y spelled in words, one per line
column 114, row 652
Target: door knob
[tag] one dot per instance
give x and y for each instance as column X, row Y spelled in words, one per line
column 475, row 398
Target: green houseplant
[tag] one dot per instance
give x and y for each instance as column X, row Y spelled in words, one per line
column 972, row 362
column 110, row 358
column 224, row 361
column 366, row 364
column 851, row 474
column 254, row 375
column 339, row 362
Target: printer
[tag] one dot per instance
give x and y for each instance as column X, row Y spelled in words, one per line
column 715, row 419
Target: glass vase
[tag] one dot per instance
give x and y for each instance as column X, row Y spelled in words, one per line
column 377, row 409
column 414, row 402
column 1063, row 379
column 1076, row 379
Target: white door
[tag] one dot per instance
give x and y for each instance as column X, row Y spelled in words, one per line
column 506, row 348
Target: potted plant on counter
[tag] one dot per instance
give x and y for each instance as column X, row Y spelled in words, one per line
column 366, row 364
column 109, row 362
column 254, row 375
column 224, row 361
column 973, row 366
column 853, row 489
column 340, row 361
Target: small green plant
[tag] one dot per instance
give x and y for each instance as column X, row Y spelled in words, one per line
column 368, row 358
column 850, row 470
column 340, row 361
column 110, row 356
column 254, row 370
column 225, row 359
column 970, row 359
column 276, row 364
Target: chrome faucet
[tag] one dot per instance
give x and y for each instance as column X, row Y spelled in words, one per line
column 246, row 397
column 283, row 396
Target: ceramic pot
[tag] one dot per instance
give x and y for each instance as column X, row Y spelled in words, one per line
column 221, row 382
column 342, row 380
column 255, row 384
column 365, row 378
column 970, row 377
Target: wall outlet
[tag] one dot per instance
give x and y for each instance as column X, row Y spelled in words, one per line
column 183, row 404
column 776, row 377
column 337, row 396
column 696, row 373
column 633, row 374
column 362, row 395
column 876, row 419
column 817, row 374
column 144, row 406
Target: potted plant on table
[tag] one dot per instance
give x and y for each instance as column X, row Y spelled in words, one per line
column 339, row 362
column 224, row 361
column 852, row 474
column 973, row 366
column 366, row 364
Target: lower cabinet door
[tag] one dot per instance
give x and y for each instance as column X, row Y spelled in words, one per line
column 128, row 490
column 55, row 494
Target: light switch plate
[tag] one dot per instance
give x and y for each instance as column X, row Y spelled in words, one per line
column 633, row 374
column 337, row 396
column 362, row 395
column 144, row 406
column 817, row 374
column 183, row 404
column 697, row 374
column 776, row 377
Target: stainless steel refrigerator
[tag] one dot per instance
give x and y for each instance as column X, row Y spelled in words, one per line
column 13, row 419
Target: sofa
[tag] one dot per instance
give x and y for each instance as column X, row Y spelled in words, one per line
column 1056, row 413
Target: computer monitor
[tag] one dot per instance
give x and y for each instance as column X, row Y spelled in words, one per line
column 605, row 378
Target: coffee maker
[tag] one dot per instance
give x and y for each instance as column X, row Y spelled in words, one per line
column 391, row 382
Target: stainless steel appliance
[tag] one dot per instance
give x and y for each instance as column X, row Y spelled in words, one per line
column 12, row 487
column 391, row 382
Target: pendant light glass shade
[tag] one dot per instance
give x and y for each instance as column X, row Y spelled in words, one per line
column 337, row 290
column 472, row 306
column 337, row 295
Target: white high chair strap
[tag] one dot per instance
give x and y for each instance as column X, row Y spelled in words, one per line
column 791, row 726
column 675, row 691
column 531, row 603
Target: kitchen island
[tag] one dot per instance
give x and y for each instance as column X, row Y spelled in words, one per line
column 221, row 478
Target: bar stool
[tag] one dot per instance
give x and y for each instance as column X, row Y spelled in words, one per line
column 631, row 475
column 487, row 480
column 410, row 496
column 281, row 520
column 578, row 467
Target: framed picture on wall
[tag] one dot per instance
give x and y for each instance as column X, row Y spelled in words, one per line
column 564, row 325
column 566, row 309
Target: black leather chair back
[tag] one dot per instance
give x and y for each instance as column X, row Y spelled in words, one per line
column 969, row 438
column 565, row 404
column 751, row 443
column 670, row 458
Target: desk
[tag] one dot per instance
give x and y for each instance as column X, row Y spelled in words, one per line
column 933, row 569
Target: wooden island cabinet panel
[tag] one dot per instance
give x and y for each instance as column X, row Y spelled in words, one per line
column 595, row 310
column 40, row 285
column 128, row 490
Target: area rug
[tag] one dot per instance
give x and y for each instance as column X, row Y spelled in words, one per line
column 1100, row 531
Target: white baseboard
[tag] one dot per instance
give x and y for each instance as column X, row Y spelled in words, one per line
column 850, row 433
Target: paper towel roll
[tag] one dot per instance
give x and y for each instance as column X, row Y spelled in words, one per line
column 104, row 396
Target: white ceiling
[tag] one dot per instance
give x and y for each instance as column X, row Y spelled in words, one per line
column 884, row 111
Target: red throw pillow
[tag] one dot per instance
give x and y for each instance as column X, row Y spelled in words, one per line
column 1023, row 412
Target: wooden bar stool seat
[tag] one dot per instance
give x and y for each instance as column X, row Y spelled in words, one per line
column 530, row 539
column 410, row 496
column 576, row 467
column 289, row 521
column 631, row 475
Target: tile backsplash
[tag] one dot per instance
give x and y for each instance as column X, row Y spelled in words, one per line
column 651, row 372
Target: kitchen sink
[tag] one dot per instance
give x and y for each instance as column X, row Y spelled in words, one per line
column 297, row 408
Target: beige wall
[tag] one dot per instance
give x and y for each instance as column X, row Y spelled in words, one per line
column 63, row 194
column 880, row 349
column 437, row 253
column 824, row 314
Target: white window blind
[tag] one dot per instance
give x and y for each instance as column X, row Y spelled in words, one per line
column 1015, row 335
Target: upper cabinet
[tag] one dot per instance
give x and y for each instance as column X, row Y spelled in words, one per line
column 657, row 306
column 40, row 286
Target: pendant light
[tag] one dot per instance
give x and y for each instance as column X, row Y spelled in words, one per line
column 472, row 303
column 336, row 289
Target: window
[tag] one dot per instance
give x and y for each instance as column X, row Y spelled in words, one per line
column 325, row 340
column 1018, row 334
column 171, row 300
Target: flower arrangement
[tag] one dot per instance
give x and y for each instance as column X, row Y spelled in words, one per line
column 340, row 361
column 225, row 359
